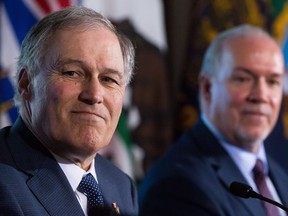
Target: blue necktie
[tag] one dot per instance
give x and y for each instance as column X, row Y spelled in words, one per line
column 90, row 188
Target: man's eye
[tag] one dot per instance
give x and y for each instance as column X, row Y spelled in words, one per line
column 109, row 80
column 241, row 79
column 70, row 73
column 274, row 82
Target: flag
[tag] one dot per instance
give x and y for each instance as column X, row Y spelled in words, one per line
column 119, row 150
column 16, row 19
column 285, row 100
column 8, row 112
column 277, row 144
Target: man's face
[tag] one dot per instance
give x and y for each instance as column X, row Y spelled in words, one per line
column 76, row 106
column 246, row 98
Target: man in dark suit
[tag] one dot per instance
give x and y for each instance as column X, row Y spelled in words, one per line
column 240, row 87
column 71, row 78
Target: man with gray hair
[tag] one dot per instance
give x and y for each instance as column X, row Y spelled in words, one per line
column 71, row 77
column 240, row 93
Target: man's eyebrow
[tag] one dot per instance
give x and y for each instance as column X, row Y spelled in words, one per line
column 246, row 70
column 62, row 62
column 249, row 71
column 65, row 61
column 113, row 71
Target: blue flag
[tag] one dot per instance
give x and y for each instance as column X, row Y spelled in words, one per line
column 16, row 19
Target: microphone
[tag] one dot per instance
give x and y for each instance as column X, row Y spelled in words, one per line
column 245, row 191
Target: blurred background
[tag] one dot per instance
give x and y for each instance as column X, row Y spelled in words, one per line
column 170, row 37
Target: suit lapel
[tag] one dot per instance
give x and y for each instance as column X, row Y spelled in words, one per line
column 55, row 193
column 46, row 180
column 224, row 167
column 279, row 179
column 107, row 184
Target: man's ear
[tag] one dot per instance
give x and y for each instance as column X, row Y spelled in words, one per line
column 205, row 87
column 24, row 84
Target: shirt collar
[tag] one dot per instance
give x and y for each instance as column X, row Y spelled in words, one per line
column 73, row 172
column 243, row 159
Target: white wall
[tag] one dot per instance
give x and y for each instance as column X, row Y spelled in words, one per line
column 147, row 16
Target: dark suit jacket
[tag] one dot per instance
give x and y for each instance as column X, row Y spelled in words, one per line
column 32, row 183
column 194, row 177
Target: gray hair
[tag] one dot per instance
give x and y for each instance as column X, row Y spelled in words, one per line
column 214, row 53
column 35, row 44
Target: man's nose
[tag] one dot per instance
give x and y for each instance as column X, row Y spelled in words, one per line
column 92, row 91
column 259, row 91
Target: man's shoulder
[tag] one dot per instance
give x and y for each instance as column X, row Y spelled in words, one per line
column 105, row 166
column 4, row 132
column 4, row 151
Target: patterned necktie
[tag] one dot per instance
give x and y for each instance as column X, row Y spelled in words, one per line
column 90, row 188
column 259, row 177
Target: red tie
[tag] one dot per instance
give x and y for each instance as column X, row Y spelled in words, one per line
column 259, row 177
